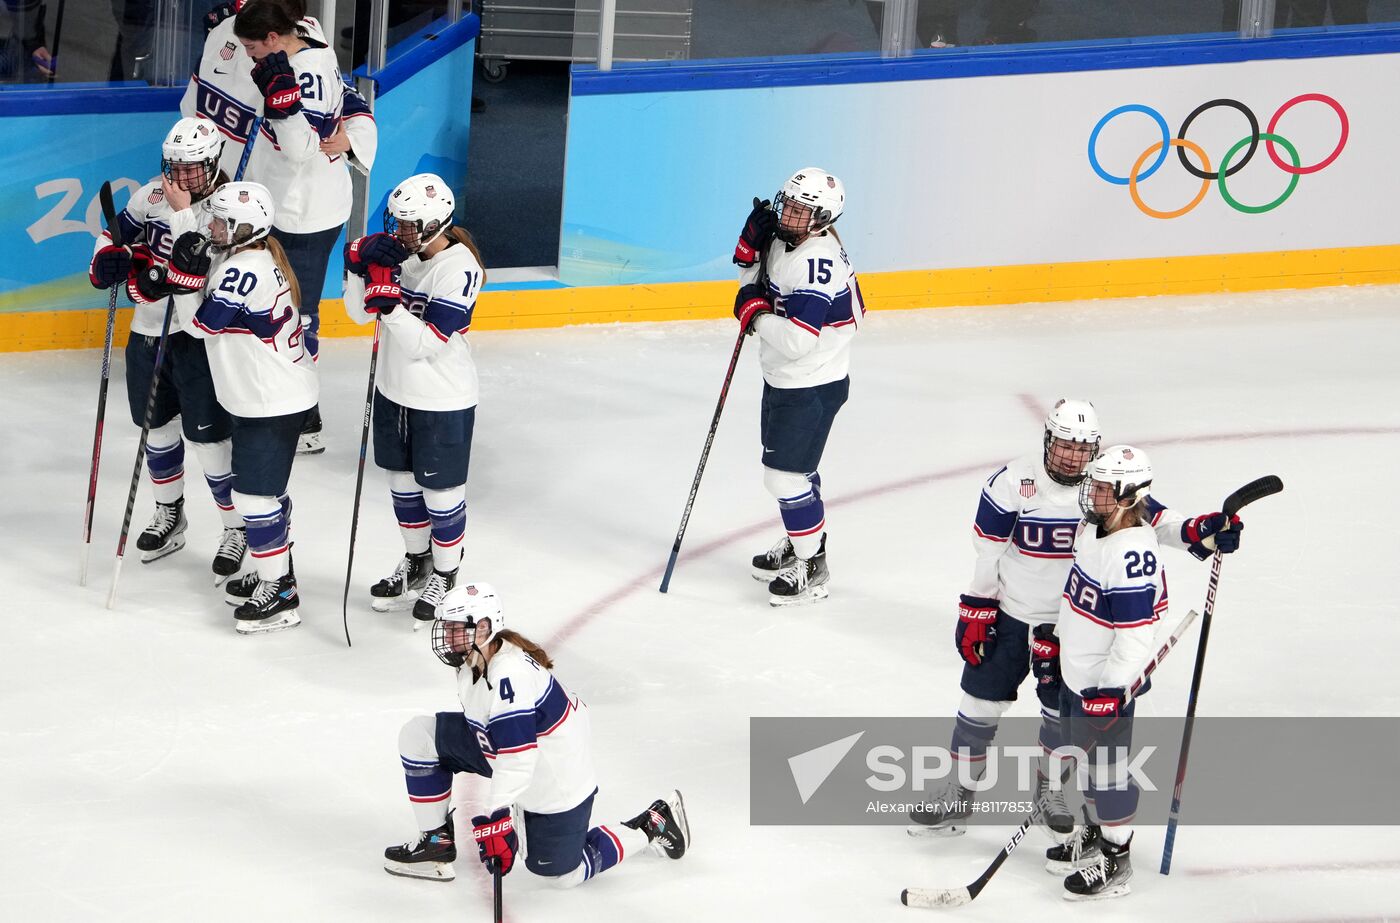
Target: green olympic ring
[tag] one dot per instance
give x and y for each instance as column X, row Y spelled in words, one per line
column 1292, row 178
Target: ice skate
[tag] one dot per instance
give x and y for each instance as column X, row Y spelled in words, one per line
column 402, row 588
column 1081, row 850
column 309, row 441
column 165, row 534
column 273, row 607
column 946, row 814
column 767, row 565
column 429, row 855
column 1054, row 812
column 802, row 581
column 233, row 546
column 425, row 609
column 1108, row 877
column 666, row 826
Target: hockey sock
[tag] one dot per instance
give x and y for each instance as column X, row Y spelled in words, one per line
column 410, row 510
column 1050, row 734
column 800, row 504
column 448, row 511
column 267, row 533
column 216, row 458
column 973, row 733
column 429, row 785
column 605, row 847
column 165, row 457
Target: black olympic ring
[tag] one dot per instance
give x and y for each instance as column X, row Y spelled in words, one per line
column 1253, row 138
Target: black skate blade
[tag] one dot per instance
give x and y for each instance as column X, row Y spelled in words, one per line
column 176, row 542
column 423, row 871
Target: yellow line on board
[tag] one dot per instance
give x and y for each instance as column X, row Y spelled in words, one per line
column 933, row 288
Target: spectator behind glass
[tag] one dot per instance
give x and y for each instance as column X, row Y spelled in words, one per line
column 937, row 21
column 24, row 55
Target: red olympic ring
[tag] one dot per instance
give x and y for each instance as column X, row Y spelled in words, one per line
column 1341, row 142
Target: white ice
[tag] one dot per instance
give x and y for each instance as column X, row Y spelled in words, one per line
column 156, row 766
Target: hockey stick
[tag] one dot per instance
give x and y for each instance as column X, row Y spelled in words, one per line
column 710, row 437
column 248, row 147
column 57, row 34
column 141, row 447
column 359, row 484
column 114, row 230
column 1254, row 490
column 932, row 898
column 496, row 898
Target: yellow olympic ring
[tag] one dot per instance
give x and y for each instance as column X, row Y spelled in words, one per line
column 1146, row 209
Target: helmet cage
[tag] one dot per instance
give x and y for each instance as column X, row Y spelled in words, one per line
column 818, row 218
column 205, row 179
column 420, row 234
column 1059, row 457
column 1126, row 496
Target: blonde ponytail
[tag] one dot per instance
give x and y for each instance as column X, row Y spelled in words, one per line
column 279, row 256
column 460, row 235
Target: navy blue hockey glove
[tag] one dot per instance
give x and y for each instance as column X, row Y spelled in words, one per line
column 758, row 233
column 110, row 266
column 382, row 292
column 1045, row 656
column 1207, row 534
column 495, row 839
column 217, row 15
column 977, row 628
column 381, row 249
column 1103, row 706
column 278, row 84
column 751, row 301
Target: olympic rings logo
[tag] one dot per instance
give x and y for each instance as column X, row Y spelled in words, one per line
column 1228, row 165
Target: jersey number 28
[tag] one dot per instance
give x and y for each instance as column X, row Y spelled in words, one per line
column 1144, row 565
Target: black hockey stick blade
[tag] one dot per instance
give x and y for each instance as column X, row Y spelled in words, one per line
column 109, row 213
column 1255, row 490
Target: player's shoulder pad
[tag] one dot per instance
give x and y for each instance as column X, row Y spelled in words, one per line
column 1138, row 538
column 148, row 198
column 526, row 676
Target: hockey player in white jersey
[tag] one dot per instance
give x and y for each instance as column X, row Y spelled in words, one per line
column 316, row 128
column 156, row 215
column 523, row 731
column 266, row 379
column 421, row 278
column 1115, row 593
column 806, row 311
column 1027, row 518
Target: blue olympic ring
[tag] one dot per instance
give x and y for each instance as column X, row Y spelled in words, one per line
column 1094, row 140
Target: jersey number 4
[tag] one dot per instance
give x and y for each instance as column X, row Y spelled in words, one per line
column 507, row 693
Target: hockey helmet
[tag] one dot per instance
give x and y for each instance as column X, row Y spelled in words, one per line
column 419, row 209
column 245, row 211
column 1071, row 440
column 469, row 617
column 1125, row 472
column 810, row 195
column 189, row 156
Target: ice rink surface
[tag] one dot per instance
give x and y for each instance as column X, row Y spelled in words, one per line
column 157, row 766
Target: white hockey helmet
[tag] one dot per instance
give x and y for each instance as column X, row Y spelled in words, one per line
column 419, row 209
column 469, row 617
column 1127, row 473
column 1071, row 440
column 824, row 198
column 245, row 210
column 195, row 142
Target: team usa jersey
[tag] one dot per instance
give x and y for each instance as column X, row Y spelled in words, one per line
column 532, row 731
column 1116, row 591
column 817, row 309
column 426, row 362
column 257, row 353
column 311, row 188
column 222, row 91
column 1024, row 538
column 148, row 219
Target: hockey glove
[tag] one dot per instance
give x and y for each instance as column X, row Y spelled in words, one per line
column 751, row 301
column 217, row 15
column 382, row 293
column 147, row 280
column 1104, row 706
column 278, row 84
column 757, row 234
column 495, row 839
column 1045, row 656
column 110, row 266
column 1207, row 534
column 189, row 264
column 382, row 249
column 977, row 628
